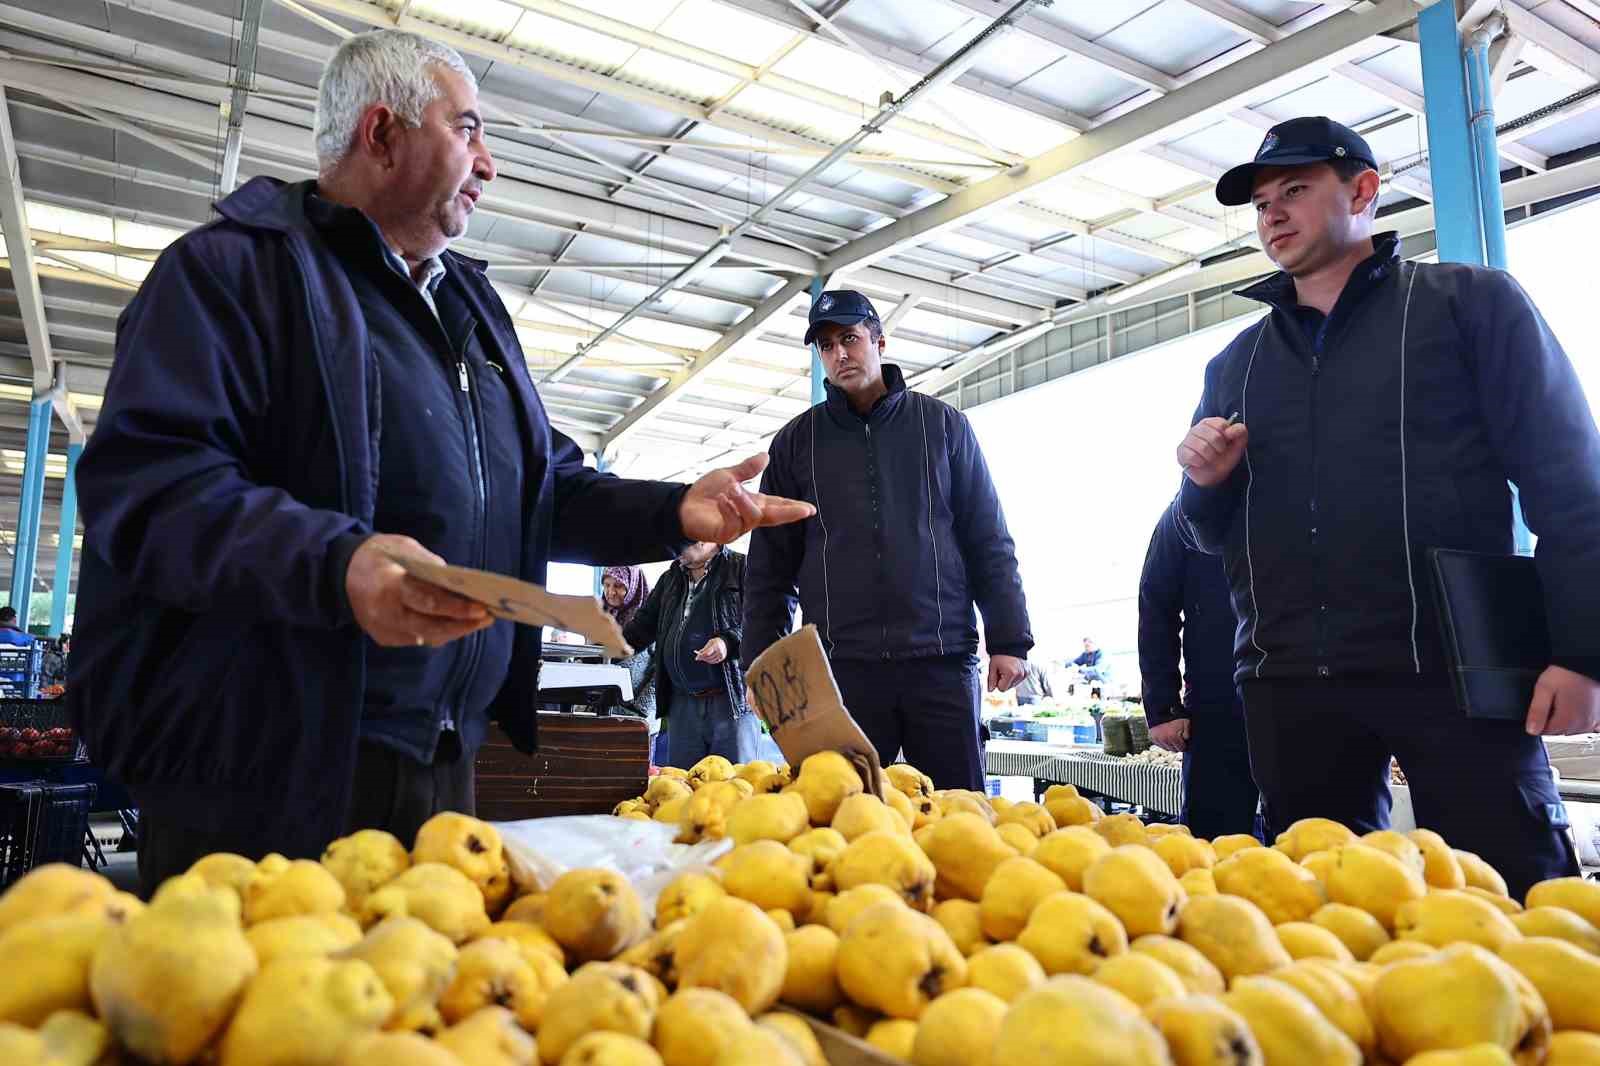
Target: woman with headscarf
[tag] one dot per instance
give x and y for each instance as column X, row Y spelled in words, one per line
column 623, row 591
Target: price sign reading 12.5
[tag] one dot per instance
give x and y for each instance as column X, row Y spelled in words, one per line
column 782, row 694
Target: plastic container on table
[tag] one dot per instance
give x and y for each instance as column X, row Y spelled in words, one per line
column 1118, row 735
column 1139, row 733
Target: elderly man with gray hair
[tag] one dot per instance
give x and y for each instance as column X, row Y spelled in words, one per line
column 304, row 389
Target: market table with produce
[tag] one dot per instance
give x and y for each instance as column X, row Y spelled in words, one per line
column 1152, row 780
column 755, row 915
column 1103, row 748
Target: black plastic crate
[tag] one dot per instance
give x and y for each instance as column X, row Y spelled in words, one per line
column 42, row 823
column 37, row 731
column 20, row 670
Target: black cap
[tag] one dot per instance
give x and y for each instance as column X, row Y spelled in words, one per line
column 844, row 307
column 1291, row 144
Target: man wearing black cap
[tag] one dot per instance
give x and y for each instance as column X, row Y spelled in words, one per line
column 1388, row 404
column 908, row 535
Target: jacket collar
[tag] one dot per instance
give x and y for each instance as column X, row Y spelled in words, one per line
column 280, row 206
column 1277, row 291
column 838, row 400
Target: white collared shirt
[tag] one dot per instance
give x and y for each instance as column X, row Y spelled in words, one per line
column 433, row 271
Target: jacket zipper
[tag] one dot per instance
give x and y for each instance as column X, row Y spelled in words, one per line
column 1316, row 517
column 473, row 423
column 877, row 536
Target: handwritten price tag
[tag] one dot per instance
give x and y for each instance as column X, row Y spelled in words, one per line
column 792, row 687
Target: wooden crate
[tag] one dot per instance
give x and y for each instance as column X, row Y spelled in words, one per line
column 586, row 764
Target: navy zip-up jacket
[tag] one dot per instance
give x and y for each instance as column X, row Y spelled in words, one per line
column 1184, row 610
column 1390, row 428
column 442, row 393
column 217, row 668
column 908, row 535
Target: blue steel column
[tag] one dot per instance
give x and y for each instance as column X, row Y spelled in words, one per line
column 1469, row 214
column 1486, row 150
column 69, row 529
column 818, row 376
column 32, row 505
column 1457, row 210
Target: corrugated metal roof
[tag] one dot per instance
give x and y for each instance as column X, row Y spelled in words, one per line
column 649, row 127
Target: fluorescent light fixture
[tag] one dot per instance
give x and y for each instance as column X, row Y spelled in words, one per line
column 1154, row 281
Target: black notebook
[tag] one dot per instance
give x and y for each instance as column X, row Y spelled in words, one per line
column 1496, row 632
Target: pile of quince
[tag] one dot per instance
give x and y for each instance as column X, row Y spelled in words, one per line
column 949, row 928
column 946, row 928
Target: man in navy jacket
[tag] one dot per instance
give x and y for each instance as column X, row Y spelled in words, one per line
column 1378, row 411
column 1185, row 612
column 908, row 535
column 302, row 389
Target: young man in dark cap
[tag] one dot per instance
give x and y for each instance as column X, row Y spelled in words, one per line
column 908, row 535
column 1379, row 411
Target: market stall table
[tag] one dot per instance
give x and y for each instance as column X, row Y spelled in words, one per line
column 1151, row 786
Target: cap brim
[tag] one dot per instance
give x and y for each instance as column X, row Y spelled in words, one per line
column 834, row 320
column 1237, row 186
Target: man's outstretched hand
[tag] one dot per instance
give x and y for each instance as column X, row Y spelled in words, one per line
column 720, row 510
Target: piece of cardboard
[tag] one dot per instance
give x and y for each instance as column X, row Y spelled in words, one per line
column 792, row 687
column 839, row 1047
column 521, row 602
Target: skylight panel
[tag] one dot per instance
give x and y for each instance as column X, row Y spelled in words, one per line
column 551, row 37
column 676, row 76
column 70, row 223
column 726, row 31
column 483, row 18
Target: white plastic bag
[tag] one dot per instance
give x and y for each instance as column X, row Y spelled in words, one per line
column 643, row 852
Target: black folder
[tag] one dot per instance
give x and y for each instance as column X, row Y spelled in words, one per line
column 1496, row 631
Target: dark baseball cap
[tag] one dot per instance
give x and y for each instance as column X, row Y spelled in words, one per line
column 1291, row 144
column 844, row 307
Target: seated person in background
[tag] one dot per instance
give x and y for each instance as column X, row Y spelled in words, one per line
column 1034, row 686
column 623, row 590
column 1184, row 608
column 1090, row 661
column 694, row 617
column 10, row 632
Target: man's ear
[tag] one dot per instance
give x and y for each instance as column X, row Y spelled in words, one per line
column 377, row 133
column 1368, row 188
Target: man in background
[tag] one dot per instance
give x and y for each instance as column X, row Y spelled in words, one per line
column 1184, row 612
column 695, row 616
column 1034, row 686
column 1090, row 661
column 908, row 536
column 10, row 632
